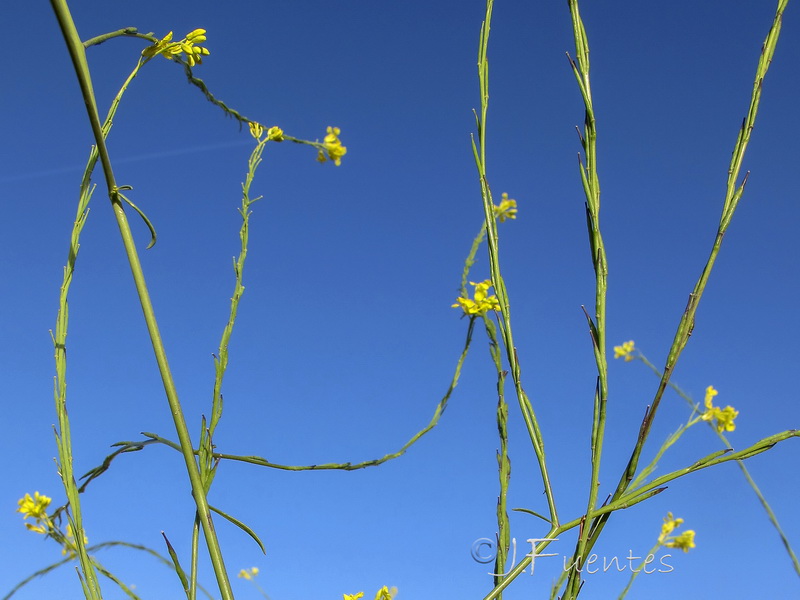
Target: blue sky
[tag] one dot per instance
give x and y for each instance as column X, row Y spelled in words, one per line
column 346, row 339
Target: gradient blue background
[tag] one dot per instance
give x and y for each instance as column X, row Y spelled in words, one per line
column 346, row 339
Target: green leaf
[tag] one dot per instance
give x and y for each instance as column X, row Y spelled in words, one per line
column 177, row 564
column 241, row 526
column 535, row 514
column 142, row 215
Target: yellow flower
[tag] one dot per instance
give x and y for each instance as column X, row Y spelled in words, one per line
column 169, row 49
column 624, row 350
column 684, row 541
column 386, row 594
column 710, row 393
column 723, row 417
column 35, row 507
column 332, row 145
column 482, row 302
column 507, row 209
column 256, row 129
column 275, row 134
column 383, row 594
column 668, row 527
column 162, row 46
column 248, row 573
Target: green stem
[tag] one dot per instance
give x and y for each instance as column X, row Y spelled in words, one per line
column 503, row 462
column 348, row 466
column 78, row 56
column 597, row 327
column 125, row 447
column 194, row 558
column 733, row 195
column 479, row 153
column 124, row 32
column 59, row 341
column 745, row 472
column 713, row 459
column 640, row 495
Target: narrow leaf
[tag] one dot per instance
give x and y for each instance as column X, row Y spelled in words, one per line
column 177, row 564
column 241, row 526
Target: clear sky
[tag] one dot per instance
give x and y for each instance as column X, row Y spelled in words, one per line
column 346, row 339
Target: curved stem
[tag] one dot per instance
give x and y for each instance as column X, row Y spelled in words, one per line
column 124, row 32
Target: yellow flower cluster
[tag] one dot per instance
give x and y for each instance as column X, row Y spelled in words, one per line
column 670, row 524
column 169, row 49
column 684, row 541
column 723, row 417
column 383, row 594
column 332, row 145
column 248, row 573
column 36, row 508
column 274, row 134
column 507, row 209
column 482, row 301
column 625, row 351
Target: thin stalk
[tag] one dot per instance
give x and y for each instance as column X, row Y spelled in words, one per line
column 503, row 462
column 642, row 494
column 126, row 447
column 470, row 260
column 89, row 581
column 63, row 437
column 78, row 56
column 745, row 472
column 597, row 327
column 194, row 558
column 520, row 567
column 713, row 459
column 347, row 466
column 124, row 32
column 207, row 462
column 670, row 441
column 479, row 153
column 733, row 195
column 620, row 500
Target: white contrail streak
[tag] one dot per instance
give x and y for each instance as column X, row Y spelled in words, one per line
column 123, row 160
